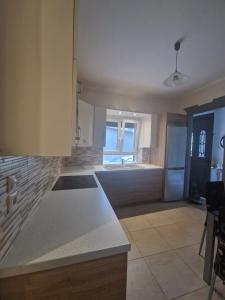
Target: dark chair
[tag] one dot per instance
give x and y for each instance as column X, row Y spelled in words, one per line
column 219, row 264
column 214, row 199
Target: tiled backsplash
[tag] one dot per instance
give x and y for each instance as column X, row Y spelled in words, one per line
column 146, row 155
column 82, row 156
column 35, row 175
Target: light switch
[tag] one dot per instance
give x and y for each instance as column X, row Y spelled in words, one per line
column 11, row 184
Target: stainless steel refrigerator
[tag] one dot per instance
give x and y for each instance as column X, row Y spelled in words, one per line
column 175, row 162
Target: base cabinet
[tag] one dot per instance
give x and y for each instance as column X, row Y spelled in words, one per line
column 100, row 279
column 134, row 186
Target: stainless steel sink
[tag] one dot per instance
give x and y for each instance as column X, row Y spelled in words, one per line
column 124, row 167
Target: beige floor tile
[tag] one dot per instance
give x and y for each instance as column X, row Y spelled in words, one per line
column 158, row 219
column 149, row 241
column 123, row 225
column 180, row 235
column 134, row 253
column 219, row 290
column 140, row 283
column 194, row 230
column 136, row 223
column 175, row 214
column 193, row 215
column 202, row 294
column 173, row 275
column 190, row 256
column 186, row 215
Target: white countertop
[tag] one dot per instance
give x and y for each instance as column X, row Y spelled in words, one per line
column 111, row 168
column 69, row 226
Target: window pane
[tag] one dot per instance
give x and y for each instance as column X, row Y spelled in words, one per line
column 202, row 143
column 111, row 136
column 117, row 159
column 129, row 137
column 192, row 140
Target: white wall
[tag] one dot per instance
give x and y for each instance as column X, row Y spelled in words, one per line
column 203, row 95
column 219, row 131
column 145, row 104
column 115, row 101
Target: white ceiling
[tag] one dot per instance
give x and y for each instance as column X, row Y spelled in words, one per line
column 127, row 45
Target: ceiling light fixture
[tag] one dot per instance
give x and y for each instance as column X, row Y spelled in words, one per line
column 176, row 79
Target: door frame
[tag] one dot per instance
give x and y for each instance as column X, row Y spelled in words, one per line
column 191, row 111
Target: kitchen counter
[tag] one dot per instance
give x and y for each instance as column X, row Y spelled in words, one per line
column 111, row 167
column 70, row 226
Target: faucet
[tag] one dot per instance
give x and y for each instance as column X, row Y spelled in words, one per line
column 123, row 161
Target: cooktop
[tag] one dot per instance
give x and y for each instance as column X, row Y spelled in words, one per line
column 75, row 182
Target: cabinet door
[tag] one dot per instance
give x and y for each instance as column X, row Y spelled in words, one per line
column 85, row 123
column 145, row 135
column 36, row 58
column 57, row 85
column 99, row 126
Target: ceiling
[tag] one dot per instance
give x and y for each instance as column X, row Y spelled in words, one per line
column 126, row 46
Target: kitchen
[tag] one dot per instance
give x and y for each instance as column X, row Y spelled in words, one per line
column 93, row 165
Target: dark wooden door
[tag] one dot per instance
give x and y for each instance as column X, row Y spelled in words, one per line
column 201, row 153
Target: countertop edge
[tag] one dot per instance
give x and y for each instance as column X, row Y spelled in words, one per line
column 62, row 262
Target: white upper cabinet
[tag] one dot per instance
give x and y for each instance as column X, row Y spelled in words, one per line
column 145, row 132
column 85, row 123
column 91, row 125
column 38, row 77
column 99, row 135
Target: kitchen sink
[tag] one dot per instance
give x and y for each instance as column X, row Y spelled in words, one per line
column 125, row 167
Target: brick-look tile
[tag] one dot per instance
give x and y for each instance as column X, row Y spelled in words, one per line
column 35, row 175
column 82, row 156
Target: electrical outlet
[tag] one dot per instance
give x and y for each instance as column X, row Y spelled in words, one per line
column 11, row 200
column 11, row 184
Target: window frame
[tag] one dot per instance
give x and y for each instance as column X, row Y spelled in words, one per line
column 121, row 121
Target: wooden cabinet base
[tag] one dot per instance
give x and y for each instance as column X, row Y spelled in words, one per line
column 132, row 186
column 101, row 279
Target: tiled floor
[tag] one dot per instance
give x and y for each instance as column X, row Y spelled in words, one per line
column 163, row 261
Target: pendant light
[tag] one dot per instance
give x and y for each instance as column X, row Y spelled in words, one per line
column 176, row 79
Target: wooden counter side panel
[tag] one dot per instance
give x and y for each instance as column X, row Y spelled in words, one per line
column 136, row 186
column 101, row 279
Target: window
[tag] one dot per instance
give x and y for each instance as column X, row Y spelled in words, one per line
column 192, row 140
column 111, row 136
column 121, row 141
column 129, row 136
column 202, row 144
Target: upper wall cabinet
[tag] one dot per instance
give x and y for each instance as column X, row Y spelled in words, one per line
column 99, row 136
column 91, row 125
column 38, row 77
column 85, row 123
column 145, row 132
